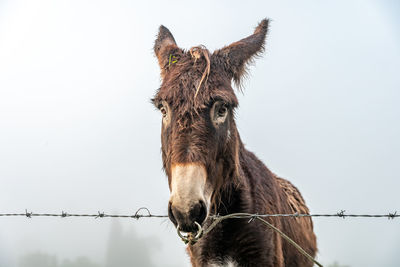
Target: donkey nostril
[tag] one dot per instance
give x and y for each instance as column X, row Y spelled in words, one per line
column 199, row 212
column 203, row 213
column 171, row 214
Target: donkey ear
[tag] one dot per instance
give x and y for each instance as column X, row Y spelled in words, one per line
column 237, row 55
column 164, row 45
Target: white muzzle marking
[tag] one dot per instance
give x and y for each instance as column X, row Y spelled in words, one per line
column 189, row 186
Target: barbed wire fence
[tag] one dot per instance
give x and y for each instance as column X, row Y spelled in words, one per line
column 144, row 212
column 191, row 238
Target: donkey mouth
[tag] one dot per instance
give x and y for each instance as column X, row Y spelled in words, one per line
column 185, row 225
column 187, row 228
column 188, row 222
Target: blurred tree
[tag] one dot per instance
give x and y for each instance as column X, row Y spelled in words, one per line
column 126, row 249
column 79, row 262
column 38, row 259
column 336, row 264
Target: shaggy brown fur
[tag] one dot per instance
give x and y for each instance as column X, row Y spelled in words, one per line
column 241, row 182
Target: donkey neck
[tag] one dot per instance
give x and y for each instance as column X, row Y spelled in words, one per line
column 251, row 177
column 221, row 244
column 235, row 194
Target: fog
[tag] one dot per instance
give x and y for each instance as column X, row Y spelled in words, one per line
column 78, row 132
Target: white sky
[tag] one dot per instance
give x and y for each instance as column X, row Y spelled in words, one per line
column 77, row 131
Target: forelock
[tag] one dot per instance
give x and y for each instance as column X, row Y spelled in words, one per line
column 192, row 81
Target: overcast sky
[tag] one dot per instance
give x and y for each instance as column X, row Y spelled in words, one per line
column 78, row 133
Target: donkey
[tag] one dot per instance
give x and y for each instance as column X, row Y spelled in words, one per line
column 210, row 171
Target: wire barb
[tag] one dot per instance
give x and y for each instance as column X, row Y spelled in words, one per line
column 341, row 214
column 391, row 216
column 100, row 215
column 252, row 218
column 28, row 214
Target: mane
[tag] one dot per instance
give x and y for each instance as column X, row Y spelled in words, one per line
column 196, row 53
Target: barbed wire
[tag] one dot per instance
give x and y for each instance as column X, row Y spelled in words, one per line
column 138, row 214
column 340, row 214
column 63, row 214
column 217, row 219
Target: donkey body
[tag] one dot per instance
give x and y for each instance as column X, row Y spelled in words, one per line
column 210, row 171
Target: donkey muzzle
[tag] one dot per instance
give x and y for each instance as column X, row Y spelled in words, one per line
column 186, row 220
column 189, row 196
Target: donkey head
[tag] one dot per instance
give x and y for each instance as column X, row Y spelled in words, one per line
column 200, row 143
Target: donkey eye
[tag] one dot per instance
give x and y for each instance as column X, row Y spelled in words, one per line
column 219, row 113
column 222, row 110
column 163, row 111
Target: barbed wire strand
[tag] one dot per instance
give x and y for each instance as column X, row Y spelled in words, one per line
column 99, row 214
column 148, row 214
column 217, row 219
